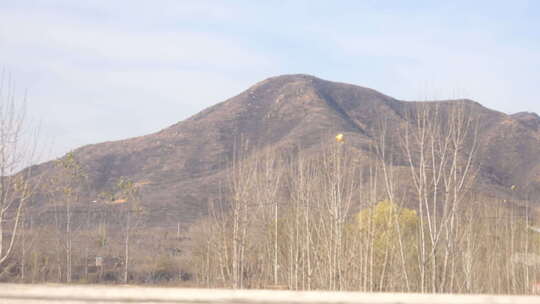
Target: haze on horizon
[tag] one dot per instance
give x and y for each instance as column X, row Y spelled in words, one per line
column 102, row 70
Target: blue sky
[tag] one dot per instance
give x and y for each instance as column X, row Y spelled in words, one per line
column 101, row 70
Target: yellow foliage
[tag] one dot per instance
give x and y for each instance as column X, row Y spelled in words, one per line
column 387, row 222
column 385, row 215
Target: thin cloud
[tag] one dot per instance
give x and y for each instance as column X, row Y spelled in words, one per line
column 104, row 70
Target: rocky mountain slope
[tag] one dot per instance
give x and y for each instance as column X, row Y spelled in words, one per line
column 178, row 168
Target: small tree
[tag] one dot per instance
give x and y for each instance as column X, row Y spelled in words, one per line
column 389, row 228
column 129, row 195
column 72, row 179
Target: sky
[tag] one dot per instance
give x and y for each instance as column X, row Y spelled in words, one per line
column 102, row 70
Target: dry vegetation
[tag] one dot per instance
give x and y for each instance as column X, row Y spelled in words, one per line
column 324, row 223
column 290, row 220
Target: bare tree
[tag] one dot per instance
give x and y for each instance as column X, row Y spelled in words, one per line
column 17, row 151
column 439, row 148
column 129, row 197
column 72, row 180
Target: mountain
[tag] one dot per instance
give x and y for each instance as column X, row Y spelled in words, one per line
column 179, row 168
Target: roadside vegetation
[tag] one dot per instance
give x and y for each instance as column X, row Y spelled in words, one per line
column 286, row 220
column 325, row 223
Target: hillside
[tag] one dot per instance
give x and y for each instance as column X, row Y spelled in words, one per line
column 179, row 168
